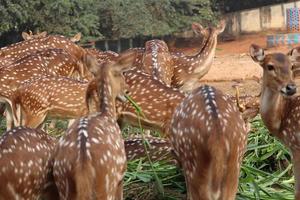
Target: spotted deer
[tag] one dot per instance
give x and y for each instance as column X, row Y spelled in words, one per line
column 96, row 161
column 209, row 138
column 103, row 56
column 189, row 69
column 30, row 35
column 13, row 52
column 137, row 53
column 43, row 63
column 157, row 61
column 279, row 108
column 156, row 100
column 26, row 165
column 157, row 148
column 52, row 97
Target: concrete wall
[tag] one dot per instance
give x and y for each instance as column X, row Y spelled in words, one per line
column 259, row 19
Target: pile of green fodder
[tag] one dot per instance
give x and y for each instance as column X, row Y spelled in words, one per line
column 266, row 171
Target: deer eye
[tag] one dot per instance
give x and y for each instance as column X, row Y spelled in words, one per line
column 270, row 67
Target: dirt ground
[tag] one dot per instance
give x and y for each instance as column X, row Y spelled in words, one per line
column 233, row 65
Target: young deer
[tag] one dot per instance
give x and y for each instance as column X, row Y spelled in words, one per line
column 278, row 108
column 26, row 165
column 209, row 138
column 96, row 162
column 157, row 61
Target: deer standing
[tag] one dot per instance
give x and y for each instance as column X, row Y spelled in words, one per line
column 96, row 162
column 189, row 69
column 157, row 102
column 279, row 109
column 43, row 63
column 26, row 165
column 55, row 97
column 209, row 138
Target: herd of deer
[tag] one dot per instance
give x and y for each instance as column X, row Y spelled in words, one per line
column 206, row 131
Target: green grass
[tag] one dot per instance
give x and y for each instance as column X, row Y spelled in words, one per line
column 266, row 171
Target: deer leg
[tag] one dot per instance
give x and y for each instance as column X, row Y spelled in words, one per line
column 2, row 108
column 296, row 163
column 230, row 185
column 9, row 118
column 119, row 191
column 52, row 124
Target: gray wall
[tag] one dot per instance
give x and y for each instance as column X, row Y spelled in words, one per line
column 260, row 19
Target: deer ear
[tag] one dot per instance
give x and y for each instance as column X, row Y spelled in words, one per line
column 221, row 26
column 76, row 37
column 198, row 29
column 294, row 55
column 91, row 63
column 25, row 36
column 257, row 53
column 43, row 34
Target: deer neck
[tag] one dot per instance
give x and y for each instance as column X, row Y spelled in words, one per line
column 105, row 93
column 201, row 62
column 272, row 105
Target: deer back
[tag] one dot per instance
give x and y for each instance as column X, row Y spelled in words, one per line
column 209, row 138
column 18, row 50
column 156, row 100
column 157, row 61
column 26, row 163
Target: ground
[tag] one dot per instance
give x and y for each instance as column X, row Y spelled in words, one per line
column 233, row 64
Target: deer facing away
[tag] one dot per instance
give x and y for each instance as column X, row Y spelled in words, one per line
column 96, row 162
column 209, row 138
column 26, row 165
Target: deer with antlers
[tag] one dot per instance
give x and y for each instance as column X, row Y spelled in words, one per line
column 96, row 161
column 209, row 138
column 278, row 107
column 26, row 165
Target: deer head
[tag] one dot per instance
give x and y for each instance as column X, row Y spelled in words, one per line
column 277, row 74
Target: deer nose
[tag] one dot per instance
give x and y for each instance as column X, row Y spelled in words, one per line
column 291, row 89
